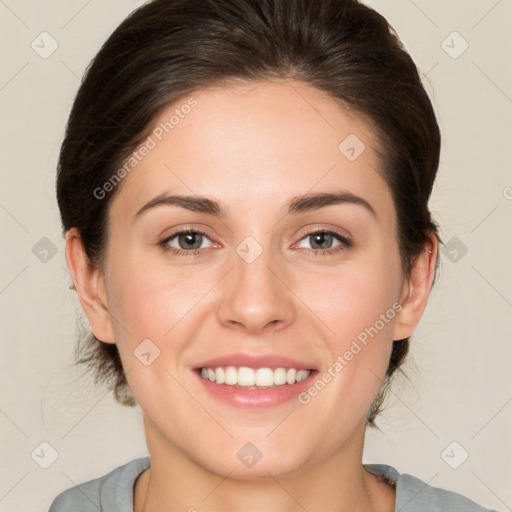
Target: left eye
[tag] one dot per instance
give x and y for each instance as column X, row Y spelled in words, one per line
column 322, row 240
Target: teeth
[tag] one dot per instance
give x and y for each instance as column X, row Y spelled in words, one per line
column 219, row 376
column 279, row 376
column 249, row 377
column 264, row 377
column 230, row 376
column 302, row 375
column 246, row 376
column 291, row 374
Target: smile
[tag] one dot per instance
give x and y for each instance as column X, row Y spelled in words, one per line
column 254, row 378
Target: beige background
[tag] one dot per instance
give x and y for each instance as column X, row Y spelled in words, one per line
column 460, row 380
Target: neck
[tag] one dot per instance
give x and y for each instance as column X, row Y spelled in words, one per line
column 176, row 483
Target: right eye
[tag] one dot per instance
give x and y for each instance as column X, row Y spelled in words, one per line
column 185, row 242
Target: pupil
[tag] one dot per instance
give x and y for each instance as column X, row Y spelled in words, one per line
column 323, row 240
column 190, row 239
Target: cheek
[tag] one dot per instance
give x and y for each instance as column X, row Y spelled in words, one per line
column 357, row 307
column 155, row 304
column 351, row 300
column 152, row 301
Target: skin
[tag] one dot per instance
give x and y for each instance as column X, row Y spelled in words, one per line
column 254, row 147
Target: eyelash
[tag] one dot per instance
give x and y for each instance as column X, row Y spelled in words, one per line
column 345, row 243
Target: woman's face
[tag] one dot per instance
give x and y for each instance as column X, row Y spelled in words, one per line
column 253, row 286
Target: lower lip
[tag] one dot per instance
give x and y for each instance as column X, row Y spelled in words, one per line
column 256, row 398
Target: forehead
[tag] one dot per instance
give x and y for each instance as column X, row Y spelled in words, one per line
column 264, row 141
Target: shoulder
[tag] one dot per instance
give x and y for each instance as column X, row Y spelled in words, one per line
column 412, row 494
column 113, row 492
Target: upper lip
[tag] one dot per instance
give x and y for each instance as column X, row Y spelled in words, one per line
column 255, row 361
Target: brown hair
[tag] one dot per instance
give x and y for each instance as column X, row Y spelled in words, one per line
column 170, row 48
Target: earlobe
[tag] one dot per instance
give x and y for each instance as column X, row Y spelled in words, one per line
column 90, row 286
column 416, row 291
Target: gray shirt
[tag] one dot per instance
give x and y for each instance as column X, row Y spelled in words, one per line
column 114, row 492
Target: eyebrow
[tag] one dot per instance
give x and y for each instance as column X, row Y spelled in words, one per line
column 193, row 203
column 299, row 204
column 311, row 202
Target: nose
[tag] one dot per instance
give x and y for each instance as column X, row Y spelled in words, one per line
column 255, row 296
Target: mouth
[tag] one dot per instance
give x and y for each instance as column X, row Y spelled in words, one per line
column 244, row 377
column 254, row 381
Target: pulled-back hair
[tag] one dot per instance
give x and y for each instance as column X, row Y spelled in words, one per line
column 168, row 49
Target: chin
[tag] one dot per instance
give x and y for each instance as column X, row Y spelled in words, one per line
column 263, row 469
column 258, row 460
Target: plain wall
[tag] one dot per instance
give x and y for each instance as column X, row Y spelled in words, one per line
column 459, row 374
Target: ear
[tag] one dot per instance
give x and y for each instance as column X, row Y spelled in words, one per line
column 416, row 291
column 90, row 286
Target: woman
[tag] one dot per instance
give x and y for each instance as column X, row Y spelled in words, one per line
column 244, row 192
